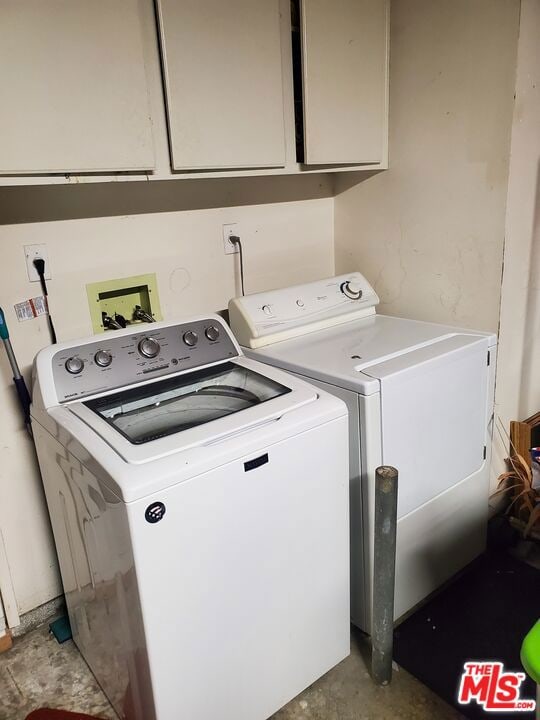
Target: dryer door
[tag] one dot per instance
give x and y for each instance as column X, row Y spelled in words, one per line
column 433, row 404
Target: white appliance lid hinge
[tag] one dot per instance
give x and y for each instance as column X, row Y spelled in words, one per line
column 489, row 357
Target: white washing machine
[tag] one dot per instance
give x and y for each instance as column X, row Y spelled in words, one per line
column 199, row 502
column 420, row 397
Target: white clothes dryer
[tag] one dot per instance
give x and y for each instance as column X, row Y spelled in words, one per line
column 199, row 503
column 420, row 397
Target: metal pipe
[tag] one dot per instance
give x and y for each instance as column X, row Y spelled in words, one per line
column 384, row 570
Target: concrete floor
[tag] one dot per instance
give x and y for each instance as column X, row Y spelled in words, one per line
column 38, row 672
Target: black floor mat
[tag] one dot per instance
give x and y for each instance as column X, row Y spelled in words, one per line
column 483, row 615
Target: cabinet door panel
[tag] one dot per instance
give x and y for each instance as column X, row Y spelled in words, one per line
column 223, row 77
column 74, row 95
column 344, row 69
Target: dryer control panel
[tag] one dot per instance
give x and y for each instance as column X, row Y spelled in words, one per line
column 119, row 359
column 267, row 317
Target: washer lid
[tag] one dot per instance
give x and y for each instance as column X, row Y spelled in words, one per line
column 149, row 412
column 199, row 407
column 343, row 355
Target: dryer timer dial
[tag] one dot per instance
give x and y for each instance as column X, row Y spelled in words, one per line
column 352, row 289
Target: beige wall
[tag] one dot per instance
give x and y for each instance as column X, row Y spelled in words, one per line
column 429, row 232
column 94, row 233
column 518, row 377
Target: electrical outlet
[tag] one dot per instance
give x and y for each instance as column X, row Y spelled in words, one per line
column 228, row 230
column 31, row 252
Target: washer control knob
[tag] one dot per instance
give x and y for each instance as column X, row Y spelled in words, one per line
column 212, row 333
column 149, row 347
column 103, row 358
column 352, row 289
column 191, row 338
column 267, row 310
column 74, row 365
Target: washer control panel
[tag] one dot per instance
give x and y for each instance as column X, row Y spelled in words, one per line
column 114, row 361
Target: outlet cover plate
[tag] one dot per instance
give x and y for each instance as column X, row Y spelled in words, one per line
column 31, row 252
column 228, row 230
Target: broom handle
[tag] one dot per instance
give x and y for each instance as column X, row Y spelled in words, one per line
column 18, row 380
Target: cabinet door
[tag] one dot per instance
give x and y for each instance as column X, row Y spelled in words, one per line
column 73, row 87
column 223, row 77
column 344, row 72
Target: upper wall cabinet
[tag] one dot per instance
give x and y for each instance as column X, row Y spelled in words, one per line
column 93, row 90
column 222, row 64
column 344, row 45
column 74, row 97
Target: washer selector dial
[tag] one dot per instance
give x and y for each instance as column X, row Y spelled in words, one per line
column 212, row 333
column 148, row 347
column 352, row 289
column 74, row 365
column 191, row 338
column 103, row 358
